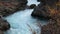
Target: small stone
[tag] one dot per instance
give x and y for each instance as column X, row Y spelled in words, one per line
column 32, row 6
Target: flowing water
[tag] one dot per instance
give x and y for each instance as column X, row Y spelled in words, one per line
column 22, row 23
column 32, row 2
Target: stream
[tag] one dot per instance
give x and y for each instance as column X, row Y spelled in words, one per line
column 23, row 23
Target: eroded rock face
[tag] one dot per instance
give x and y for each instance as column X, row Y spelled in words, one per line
column 8, row 7
column 46, row 9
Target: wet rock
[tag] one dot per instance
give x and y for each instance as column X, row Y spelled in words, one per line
column 8, row 7
column 49, row 10
column 46, row 9
column 4, row 25
column 38, row 0
column 40, row 13
column 32, row 6
column 41, row 0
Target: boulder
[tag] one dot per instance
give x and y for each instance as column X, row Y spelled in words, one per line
column 49, row 10
column 46, row 9
column 4, row 25
column 32, row 6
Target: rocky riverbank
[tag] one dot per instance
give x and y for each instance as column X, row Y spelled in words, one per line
column 45, row 9
column 49, row 10
column 8, row 7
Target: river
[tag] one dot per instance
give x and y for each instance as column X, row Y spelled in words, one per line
column 23, row 23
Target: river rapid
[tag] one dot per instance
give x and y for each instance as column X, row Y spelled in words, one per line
column 23, row 23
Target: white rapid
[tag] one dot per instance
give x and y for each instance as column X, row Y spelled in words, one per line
column 22, row 23
column 32, row 2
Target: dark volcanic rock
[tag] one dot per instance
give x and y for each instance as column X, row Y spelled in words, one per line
column 46, row 9
column 32, row 6
column 8, row 7
column 4, row 25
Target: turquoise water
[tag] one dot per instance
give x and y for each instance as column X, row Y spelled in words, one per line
column 22, row 23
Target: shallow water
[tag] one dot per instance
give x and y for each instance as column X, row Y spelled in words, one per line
column 22, row 23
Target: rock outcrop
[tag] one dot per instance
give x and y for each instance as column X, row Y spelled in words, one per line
column 8, row 7
column 49, row 10
column 46, row 9
column 4, row 25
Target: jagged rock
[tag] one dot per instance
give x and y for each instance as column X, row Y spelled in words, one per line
column 4, row 25
column 8, row 7
column 32, row 6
